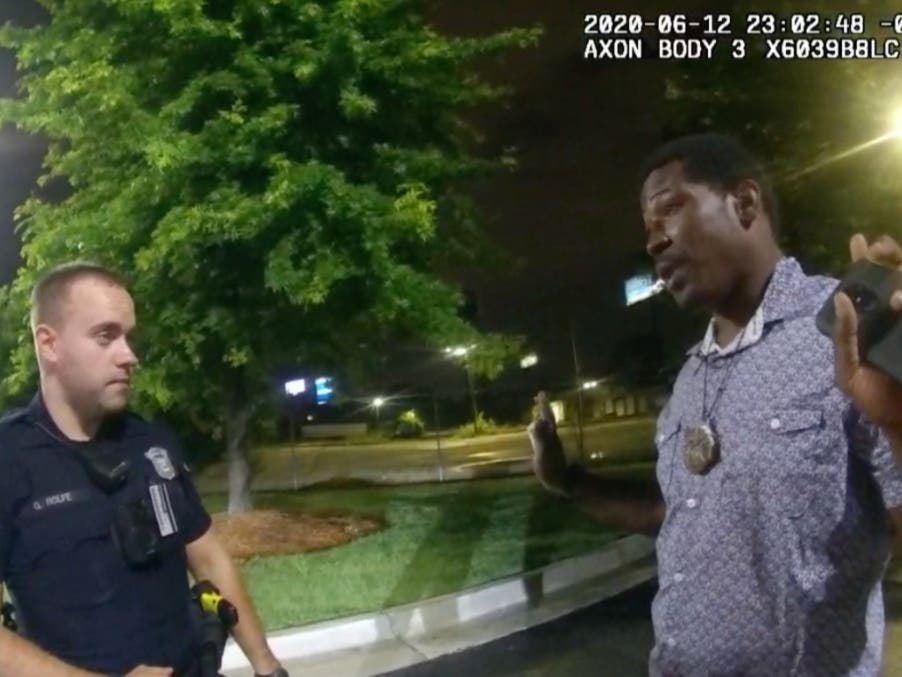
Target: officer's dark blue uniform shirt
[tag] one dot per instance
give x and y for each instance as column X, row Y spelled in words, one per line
column 75, row 595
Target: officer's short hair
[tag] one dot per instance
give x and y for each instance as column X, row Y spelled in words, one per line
column 52, row 288
column 719, row 161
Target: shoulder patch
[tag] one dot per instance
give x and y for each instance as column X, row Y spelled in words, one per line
column 162, row 463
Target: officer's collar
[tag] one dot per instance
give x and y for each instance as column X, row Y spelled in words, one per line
column 38, row 413
column 780, row 302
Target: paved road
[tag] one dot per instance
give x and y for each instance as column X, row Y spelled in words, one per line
column 609, row 639
column 431, row 460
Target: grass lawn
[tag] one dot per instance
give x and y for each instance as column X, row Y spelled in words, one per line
column 438, row 539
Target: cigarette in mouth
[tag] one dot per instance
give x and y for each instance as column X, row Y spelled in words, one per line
column 657, row 288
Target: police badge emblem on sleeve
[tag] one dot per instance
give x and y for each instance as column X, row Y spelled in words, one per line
column 161, row 462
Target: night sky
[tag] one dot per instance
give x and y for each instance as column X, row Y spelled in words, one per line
column 569, row 216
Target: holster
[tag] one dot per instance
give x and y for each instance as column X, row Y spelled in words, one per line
column 217, row 617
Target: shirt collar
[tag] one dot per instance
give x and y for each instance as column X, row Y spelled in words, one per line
column 780, row 302
column 750, row 334
column 38, row 413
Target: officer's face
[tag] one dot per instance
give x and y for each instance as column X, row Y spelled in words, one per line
column 694, row 236
column 92, row 355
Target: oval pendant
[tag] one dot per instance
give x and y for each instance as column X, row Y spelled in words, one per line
column 701, row 451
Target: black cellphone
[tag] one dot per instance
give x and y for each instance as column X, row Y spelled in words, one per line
column 870, row 286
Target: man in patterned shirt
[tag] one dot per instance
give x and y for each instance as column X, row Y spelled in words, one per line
column 776, row 491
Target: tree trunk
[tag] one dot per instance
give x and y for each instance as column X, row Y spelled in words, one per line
column 472, row 392
column 238, row 414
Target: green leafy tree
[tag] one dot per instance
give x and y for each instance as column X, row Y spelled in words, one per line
column 484, row 359
column 824, row 127
column 279, row 179
column 409, row 424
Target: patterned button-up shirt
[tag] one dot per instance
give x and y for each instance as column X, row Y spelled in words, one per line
column 771, row 563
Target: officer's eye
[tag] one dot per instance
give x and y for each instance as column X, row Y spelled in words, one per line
column 672, row 207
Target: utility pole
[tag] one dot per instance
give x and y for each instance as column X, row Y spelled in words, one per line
column 579, row 389
column 472, row 393
column 438, row 438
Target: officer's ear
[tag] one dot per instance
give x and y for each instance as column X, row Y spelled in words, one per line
column 745, row 200
column 45, row 343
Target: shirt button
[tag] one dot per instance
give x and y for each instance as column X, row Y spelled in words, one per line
column 691, row 503
column 774, row 423
column 660, row 439
column 678, row 578
column 671, row 642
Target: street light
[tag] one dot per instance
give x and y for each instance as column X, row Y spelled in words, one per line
column 526, row 363
column 293, row 389
column 590, row 385
column 377, row 405
column 458, row 351
column 897, row 128
column 461, row 352
column 894, row 133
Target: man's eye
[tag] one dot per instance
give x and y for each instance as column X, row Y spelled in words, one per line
column 672, row 208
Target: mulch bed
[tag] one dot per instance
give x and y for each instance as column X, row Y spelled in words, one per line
column 275, row 532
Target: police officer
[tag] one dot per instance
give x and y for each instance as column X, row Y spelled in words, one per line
column 19, row 658
column 99, row 520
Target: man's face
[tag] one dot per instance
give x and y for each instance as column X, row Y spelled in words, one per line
column 91, row 356
column 692, row 233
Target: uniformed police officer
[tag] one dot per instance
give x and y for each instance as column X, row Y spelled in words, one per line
column 19, row 658
column 99, row 520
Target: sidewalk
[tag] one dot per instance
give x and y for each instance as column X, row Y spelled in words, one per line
column 557, row 621
column 609, row 639
column 402, row 636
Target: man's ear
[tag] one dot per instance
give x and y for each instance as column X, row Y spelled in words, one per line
column 45, row 343
column 746, row 202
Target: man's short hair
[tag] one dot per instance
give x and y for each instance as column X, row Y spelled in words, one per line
column 718, row 160
column 53, row 287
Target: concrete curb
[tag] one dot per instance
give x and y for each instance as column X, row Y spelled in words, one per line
column 415, row 632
